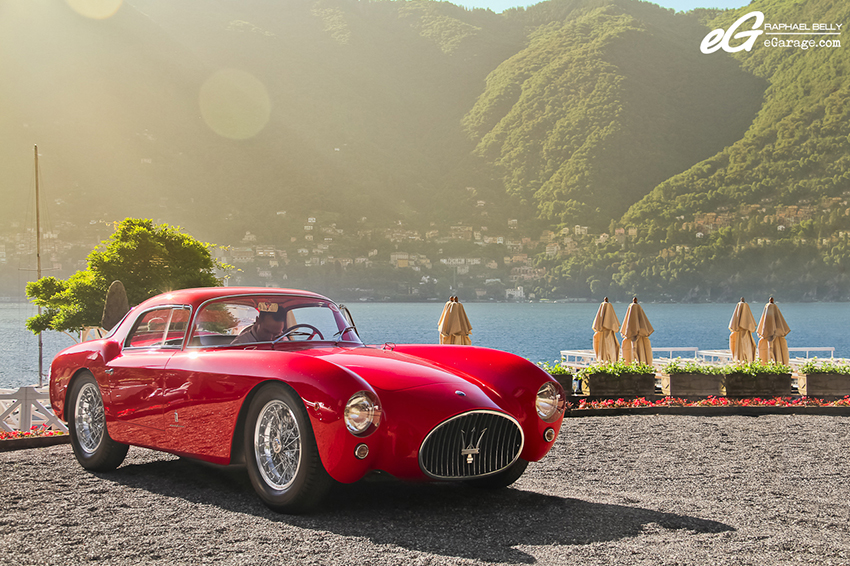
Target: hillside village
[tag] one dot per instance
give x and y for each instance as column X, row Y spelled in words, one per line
column 483, row 257
column 491, row 262
column 499, row 260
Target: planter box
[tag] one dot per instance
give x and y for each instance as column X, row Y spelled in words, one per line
column 630, row 384
column 690, row 384
column 824, row 385
column 566, row 381
column 762, row 385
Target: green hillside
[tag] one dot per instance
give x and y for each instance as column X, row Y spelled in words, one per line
column 780, row 192
column 605, row 104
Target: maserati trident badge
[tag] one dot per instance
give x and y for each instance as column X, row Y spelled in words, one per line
column 469, row 450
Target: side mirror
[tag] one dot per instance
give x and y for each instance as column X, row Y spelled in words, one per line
column 111, row 349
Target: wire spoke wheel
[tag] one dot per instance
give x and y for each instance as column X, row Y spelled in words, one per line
column 277, row 445
column 89, row 418
column 281, row 453
column 93, row 447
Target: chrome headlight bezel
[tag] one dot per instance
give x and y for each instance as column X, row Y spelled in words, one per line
column 362, row 413
column 550, row 402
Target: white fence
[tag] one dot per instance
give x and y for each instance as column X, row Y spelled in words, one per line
column 23, row 408
column 584, row 358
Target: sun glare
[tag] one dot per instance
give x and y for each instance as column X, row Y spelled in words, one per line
column 95, row 9
column 234, row 104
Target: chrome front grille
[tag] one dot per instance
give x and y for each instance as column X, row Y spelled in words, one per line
column 470, row 445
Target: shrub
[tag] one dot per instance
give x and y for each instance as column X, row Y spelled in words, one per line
column 825, row 366
column 692, row 366
column 555, row 368
column 617, row 369
column 756, row 368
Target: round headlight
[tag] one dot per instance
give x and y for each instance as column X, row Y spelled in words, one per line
column 549, row 402
column 361, row 413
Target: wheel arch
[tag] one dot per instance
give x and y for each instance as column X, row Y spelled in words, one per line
column 237, row 443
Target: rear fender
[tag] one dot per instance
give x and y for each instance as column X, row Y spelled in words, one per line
column 89, row 356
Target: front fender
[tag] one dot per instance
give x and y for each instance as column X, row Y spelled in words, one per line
column 511, row 381
column 325, row 388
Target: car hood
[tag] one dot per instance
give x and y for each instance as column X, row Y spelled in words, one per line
column 393, row 371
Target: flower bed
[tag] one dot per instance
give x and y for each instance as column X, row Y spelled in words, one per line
column 712, row 406
column 34, row 432
column 712, row 401
column 35, row 437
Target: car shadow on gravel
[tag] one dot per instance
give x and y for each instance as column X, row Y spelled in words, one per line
column 443, row 519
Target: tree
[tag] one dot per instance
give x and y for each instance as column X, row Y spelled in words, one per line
column 147, row 259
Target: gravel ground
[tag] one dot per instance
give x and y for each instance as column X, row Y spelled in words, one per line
column 615, row 490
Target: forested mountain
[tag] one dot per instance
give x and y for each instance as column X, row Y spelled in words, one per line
column 365, row 99
column 602, row 113
column 771, row 208
column 603, row 104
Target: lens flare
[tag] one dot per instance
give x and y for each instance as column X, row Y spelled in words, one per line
column 234, row 104
column 95, row 9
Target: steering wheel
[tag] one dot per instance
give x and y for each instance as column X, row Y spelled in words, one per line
column 290, row 331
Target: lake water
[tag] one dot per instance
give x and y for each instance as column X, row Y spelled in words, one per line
column 537, row 331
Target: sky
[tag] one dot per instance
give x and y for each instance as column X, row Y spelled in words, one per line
column 678, row 5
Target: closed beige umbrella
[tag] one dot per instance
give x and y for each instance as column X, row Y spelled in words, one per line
column 454, row 325
column 742, row 325
column 636, row 330
column 605, row 326
column 772, row 330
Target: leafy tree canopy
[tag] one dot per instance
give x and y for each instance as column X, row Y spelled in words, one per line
column 147, row 259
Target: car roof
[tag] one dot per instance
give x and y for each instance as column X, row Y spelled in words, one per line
column 200, row 295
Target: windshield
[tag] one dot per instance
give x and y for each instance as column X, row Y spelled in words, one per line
column 266, row 318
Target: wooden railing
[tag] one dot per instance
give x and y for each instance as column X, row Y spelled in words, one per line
column 23, row 408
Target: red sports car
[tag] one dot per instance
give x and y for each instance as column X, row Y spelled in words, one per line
column 279, row 381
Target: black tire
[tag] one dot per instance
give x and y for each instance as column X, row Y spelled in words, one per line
column 90, row 440
column 280, row 452
column 501, row 479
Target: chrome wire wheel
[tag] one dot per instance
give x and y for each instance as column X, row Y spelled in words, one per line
column 89, row 418
column 277, row 445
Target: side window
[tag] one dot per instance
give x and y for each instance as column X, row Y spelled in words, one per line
column 159, row 328
column 218, row 324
